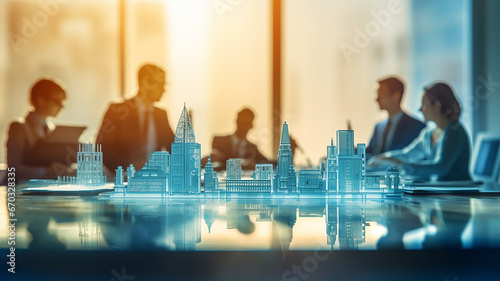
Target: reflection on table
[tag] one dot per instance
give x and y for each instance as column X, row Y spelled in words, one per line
column 57, row 223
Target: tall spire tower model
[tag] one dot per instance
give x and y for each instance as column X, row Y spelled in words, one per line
column 284, row 161
column 185, row 166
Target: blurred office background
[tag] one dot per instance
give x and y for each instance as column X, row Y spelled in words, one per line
column 218, row 56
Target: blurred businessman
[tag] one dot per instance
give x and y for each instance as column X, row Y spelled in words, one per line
column 399, row 129
column 133, row 129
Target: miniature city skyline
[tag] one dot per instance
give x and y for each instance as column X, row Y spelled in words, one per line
column 179, row 173
column 343, row 174
column 344, row 224
column 90, row 173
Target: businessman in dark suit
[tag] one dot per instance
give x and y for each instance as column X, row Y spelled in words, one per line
column 133, row 129
column 237, row 145
column 399, row 129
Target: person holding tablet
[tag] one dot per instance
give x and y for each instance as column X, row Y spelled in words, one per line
column 47, row 99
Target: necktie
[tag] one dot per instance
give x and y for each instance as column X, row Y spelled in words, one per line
column 384, row 136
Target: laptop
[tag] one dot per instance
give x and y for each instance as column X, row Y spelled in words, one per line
column 485, row 161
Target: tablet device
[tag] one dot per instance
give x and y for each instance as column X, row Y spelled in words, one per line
column 65, row 134
column 61, row 146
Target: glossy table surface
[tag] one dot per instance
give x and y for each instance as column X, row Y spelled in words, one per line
column 99, row 224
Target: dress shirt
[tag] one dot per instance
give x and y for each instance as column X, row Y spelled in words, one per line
column 151, row 130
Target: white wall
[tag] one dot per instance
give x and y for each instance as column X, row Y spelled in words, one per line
column 442, row 49
column 325, row 86
column 76, row 44
column 218, row 62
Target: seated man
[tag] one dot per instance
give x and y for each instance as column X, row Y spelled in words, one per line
column 47, row 99
column 237, row 145
column 441, row 153
column 399, row 130
column 135, row 128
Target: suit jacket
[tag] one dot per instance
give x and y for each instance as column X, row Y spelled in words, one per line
column 224, row 145
column 407, row 130
column 120, row 135
column 22, row 136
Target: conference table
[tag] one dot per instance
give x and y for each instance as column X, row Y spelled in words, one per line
column 95, row 237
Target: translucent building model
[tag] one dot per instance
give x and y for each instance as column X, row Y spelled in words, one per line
column 311, row 181
column 286, row 178
column 89, row 166
column 167, row 174
column 260, row 183
column 263, row 172
column 331, row 168
column 392, row 180
column 185, row 161
column 211, row 181
column 179, row 173
column 342, row 174
column 89, row 173
column 350, row 165
column 150, row 179
column 233, row 169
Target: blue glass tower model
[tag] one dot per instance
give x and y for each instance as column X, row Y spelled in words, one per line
column 285, row 164
column 331, row 168
column 350, row 175
column 211, row 180
column 89, row 166
column 185, row 165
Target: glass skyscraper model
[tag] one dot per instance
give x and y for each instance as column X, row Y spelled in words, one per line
column 185, row 165
column 285, row 162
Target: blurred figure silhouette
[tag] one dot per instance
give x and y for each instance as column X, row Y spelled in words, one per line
column 398, row 220
column 450, row 225
column 133, row 129
column 399, row 130
column 440, row 153
column 244, row 225
column 42, row 238
column 47, row 99
column 237, row 145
